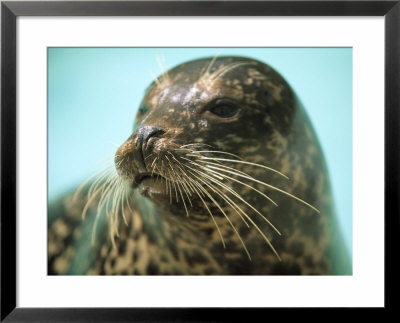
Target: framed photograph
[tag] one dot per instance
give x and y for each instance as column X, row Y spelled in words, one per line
column 197, row 157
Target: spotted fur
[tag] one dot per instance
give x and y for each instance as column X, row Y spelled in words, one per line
column 162, row 236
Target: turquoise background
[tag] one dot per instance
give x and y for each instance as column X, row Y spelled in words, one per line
column 93, row 95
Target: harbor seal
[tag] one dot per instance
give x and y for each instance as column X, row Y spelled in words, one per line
column 222, row 175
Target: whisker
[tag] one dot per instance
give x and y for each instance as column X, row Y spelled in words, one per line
column 222, row 176
column 104, row 199
column 183, row 183
column 127, row 200
column 227, row 200
column 155, row 78
column 223, row 166
column 174, row 185
column 100, row 182
column 179, row 188
column 263, row 235
column 91, row 197
column 209, row 66
column 150, row 155
column 174, row 179
column 153, row 163
column 243, row 162
column 119, row 201
column 212, row 217
column 239, row 197
column 272, row 187
column 80, row 188
column 161, row 62
column 226, row 69
column 212, row 151
column 195, row 144
column 226, row 217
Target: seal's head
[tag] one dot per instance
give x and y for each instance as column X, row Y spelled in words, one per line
column 199, row 113
column 225, row 141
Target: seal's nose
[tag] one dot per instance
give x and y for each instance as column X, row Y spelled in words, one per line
column 145, row 133
column 130, row 157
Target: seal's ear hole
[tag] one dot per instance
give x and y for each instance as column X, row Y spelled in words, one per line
column 223, row 108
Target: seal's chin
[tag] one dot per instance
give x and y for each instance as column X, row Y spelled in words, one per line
column 152, row 188
column 155, row 190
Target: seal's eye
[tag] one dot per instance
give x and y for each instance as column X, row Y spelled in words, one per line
column 224, row 109
column 142, row 110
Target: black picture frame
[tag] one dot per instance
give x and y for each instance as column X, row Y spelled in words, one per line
column 10, row 10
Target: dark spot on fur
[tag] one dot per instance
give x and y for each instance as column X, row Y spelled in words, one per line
column 314, row 273
column 134, row 256
column 194, row 257
column 208, row 230
column 286, row 269
column 308, row 261
column 122, row 247
column 243, row 231
column 152, row 268
column 323, row 266
column 311, row 228
column 188, row 258
column 152, row 237
column 174, row 250
column 238, row 268
column 266, row 96
column 176, row 272
column 209, row 271
column 297, row 248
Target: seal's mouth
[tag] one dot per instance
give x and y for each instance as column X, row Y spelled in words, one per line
column 150, row 185
column 141, row 178
column 148, row 181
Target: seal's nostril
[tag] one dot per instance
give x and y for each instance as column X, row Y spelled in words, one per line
column 143, row 135
column 147, row 132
